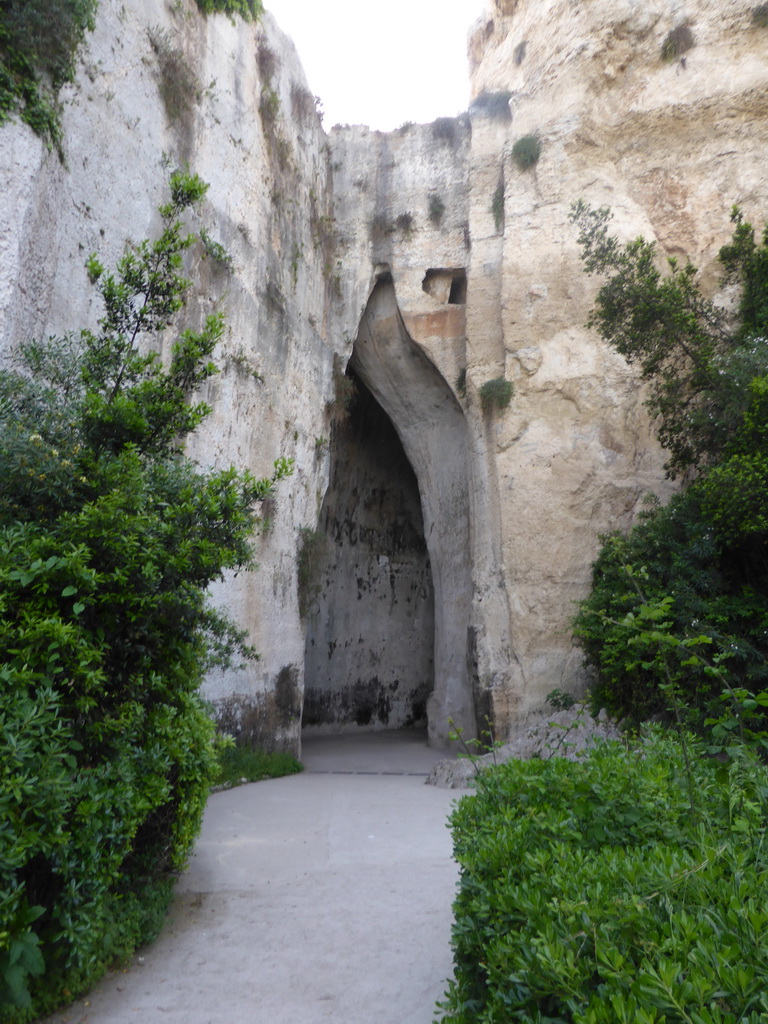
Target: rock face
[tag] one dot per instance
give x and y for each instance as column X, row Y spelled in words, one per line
column 425, row 264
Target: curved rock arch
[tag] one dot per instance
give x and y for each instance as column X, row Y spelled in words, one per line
column 433, row 431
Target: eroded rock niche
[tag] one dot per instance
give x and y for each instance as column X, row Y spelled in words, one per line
column 370, row 630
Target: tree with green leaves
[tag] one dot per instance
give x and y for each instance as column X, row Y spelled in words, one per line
column 109, row 536
column 701, row 561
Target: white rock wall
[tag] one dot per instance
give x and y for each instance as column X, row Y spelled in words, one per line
column 268, row 204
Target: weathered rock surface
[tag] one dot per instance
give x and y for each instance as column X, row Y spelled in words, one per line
column 430, row 264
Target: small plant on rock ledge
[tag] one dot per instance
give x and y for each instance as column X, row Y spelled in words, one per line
column 496, row 394
column 678, row 42
column 526, row 152
column 216, row 252
column 760, row 15
column 461, row 382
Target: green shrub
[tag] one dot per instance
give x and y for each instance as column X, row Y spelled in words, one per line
column 269, row 108
column 461, row 382
column 39, row 43
column 591, row 893
column 760, row 15
column 247, row 9
column 526, row 152
column 216, row 252
column 678, row 612
column 677, row 42
column 496, row 394
column 109, row 537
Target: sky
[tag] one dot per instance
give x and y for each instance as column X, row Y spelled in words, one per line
column 382, row 64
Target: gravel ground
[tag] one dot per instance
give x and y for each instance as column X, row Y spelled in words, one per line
column 558, row 734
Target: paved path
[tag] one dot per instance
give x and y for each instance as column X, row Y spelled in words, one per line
column 324, row 896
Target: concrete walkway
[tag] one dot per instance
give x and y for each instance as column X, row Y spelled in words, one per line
column 324, row 896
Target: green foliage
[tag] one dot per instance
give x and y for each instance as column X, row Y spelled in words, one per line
column 560, row 700
column 677, row 42
column 39, row 43
column 699, row 370
column 216, row 252
column 248, row 10
column 496, row 394
column 678, row 613
column 760, row 15
column 526, row 152
column 461, row 382
column 269, row 108
column 236, row 764
column 109, row 536
column 591, row 894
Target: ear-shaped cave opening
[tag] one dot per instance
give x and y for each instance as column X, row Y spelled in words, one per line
column 369, row 659
column 388, row 629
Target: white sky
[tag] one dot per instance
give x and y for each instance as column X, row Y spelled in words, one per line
column 385, row 63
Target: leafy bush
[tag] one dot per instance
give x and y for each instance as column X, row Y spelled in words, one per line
column 592, row 892
column 109, row 536
column 679, row 608
column 247, row 9
column 496, row 394
column 677, row 42
column 39, row 42
column 216, row 252
column 526, row 152
column 760, row 15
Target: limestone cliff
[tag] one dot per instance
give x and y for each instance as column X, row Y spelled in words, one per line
column 428, row 264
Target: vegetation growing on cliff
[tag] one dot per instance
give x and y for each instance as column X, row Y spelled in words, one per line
column 247, row 9
column 39, row 43
column 109, row 536
column 696, row 570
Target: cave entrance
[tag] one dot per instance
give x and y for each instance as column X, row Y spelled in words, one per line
column 408, row 400
column 369, row 658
